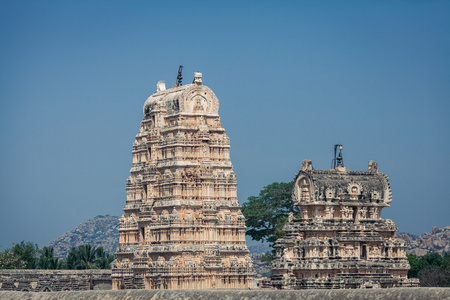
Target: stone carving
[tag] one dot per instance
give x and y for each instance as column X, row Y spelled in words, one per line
column 348, row 251
column 375, row 195
column 181, row 199
column 354, row 188
column 362, row 212
column 291, row 216
column 329, row 193
column 316, row 213
column 352, row 248
column 374, row 213
column 53, row 281
column 329, row 211
column 305, row 213
column 374, row 251
column 347, row 212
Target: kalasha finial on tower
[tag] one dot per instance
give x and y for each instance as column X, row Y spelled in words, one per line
column 197, row 78
column 179, row 77
column 338, row 160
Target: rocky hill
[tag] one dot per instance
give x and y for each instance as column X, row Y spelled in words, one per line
column 256, row 251
column 101, row 231
column 436, row 241
column 259, row 248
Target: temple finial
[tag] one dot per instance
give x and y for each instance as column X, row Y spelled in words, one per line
column 179, row 77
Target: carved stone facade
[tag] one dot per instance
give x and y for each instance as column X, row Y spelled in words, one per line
column 182, row 227
column 340, row 239
column 54, row 280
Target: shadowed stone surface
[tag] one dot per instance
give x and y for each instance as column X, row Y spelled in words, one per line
column 367, row 294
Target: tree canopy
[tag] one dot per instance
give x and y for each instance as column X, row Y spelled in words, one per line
column 266, row 214
column 20, row 256
column 47, row 261
column 26, row 255
column 432, row 269
column 89, row 257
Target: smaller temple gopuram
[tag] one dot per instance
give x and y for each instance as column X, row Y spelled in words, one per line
column 340, row 239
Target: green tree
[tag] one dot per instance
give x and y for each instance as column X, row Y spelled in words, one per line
column 414, row 265
column 26, row 252
column 47, row 260
column 434, row 277
column 104, row 260
column 432, row 269
column 9, row 261
column 86, row 256
column 268, row 257
column 430, row 260
column 72, row 259
column 267, row 213
column 19, row 256
column 446, row 261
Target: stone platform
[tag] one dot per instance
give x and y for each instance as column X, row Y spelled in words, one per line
column 260, row 294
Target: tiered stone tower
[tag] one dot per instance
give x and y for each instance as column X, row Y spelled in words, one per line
column 182, row 227
column 340, row 240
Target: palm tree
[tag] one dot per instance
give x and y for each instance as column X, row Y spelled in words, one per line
column 104, row 260
column 47, row 261
column 87, row 256
column 72, row 259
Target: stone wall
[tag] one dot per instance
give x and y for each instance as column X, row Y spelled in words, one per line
column 54, row 280
column 261, row 294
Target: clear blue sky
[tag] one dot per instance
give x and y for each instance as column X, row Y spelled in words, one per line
column 293, row 78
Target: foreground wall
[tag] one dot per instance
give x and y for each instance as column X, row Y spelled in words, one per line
column 366, row 294
column 54, row 280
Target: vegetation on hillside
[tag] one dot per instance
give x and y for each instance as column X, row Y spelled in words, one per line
column 101, row 231
column 26, row 255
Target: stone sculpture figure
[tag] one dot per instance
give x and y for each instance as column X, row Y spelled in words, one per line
column 374, row 213
column 362, row 212
column 329, row 212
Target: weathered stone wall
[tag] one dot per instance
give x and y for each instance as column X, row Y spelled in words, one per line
column 54, row 280
column 367, row 294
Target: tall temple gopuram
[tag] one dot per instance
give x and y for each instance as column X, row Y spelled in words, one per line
column 182, row 226
column 340, row 239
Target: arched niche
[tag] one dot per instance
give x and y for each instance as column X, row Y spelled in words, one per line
column 303, row 189
column 354, row 190
column 199, row 99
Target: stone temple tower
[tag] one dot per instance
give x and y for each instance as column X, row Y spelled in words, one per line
column 182, row 226
column 340, row 240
